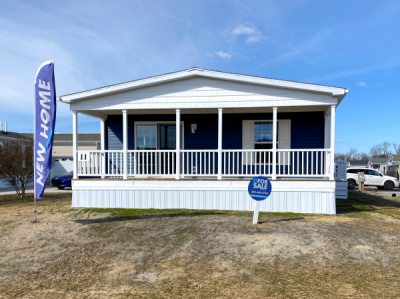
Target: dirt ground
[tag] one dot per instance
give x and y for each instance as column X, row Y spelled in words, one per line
column 115, row 253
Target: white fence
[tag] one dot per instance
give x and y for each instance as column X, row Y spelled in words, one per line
column 341, row 170
column 194, row 163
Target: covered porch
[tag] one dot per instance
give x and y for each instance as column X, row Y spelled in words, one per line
column 263, row 146
column 192, row 139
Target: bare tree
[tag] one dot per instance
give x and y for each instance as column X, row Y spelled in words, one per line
column 376, row 150
column 340, row 156
column 385, row 148
column 16, row 164
column 352, row 154
column 396, row 148
column 364, row 156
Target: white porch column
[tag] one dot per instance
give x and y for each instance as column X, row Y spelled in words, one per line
column 178, row 145
column 220, row 143
column 125, row 142
column 103, row 146
column 75, row 142
column 274, row 138
column 332, row 143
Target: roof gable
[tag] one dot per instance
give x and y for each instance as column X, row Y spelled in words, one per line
column 204, row 92
column 197, row 72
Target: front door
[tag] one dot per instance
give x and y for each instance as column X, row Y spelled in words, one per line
column 156, row 143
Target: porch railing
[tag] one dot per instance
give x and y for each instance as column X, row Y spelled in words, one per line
column 151, row 163
column 247, row 162
column 204, row 163
column 199, row 162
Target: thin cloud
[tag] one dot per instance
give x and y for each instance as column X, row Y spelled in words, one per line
column 363, row 84
column 253, row 34
column 347, row 73
column 224, row 55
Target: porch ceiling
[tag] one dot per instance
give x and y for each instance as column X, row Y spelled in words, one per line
column 103, row 113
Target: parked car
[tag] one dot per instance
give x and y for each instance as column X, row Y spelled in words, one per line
column 372, row 178
column 62, row 181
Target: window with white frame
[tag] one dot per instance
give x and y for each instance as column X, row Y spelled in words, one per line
column 156, row 135
column 263, row 135
column 258, row 135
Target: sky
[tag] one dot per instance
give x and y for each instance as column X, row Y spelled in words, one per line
column 351, row 44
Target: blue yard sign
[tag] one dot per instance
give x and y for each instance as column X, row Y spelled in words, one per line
column 259, row 189
column 44, row 123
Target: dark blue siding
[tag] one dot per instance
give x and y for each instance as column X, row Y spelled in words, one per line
column 114, row 132
column 206, row 136
column 307, row 129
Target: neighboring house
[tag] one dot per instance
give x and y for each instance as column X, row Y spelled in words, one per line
column 63, row 150
column 194, row 139
column 376, row 163
column 8, row 136
column 395, row 158
column 357, row 163
column 391, row 165
column 393, row 170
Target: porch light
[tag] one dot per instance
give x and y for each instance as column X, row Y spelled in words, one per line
column 193, row 127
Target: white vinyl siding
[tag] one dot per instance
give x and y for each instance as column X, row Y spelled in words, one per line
column 205, row 93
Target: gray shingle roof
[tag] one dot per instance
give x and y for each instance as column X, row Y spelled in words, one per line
column 14, row 135
column 68, row 137
column 396, row 158
column 379, row 160
column 357, row 162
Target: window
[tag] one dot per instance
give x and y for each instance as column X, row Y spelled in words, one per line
column 146, row 137
column 154, row 136
column 263, row 135
column 258, row 134
column 167, row 137
column 371, row 172
column 352, row 171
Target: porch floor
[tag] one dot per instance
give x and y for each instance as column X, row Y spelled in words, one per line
column 203, row 179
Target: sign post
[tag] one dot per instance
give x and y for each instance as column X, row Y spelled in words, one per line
column 44, row 124
column 259, row 189
column 361, row 180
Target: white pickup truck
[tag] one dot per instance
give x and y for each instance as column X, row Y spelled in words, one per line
column 372, row 178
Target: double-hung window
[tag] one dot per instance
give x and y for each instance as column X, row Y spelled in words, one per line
column 263, row 135
column 258, row 135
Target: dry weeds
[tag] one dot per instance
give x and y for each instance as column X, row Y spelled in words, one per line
column 95, row 253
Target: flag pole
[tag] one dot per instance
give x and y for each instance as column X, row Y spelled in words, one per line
column 34, row 140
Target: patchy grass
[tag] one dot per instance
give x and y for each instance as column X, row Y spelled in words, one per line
column 148, row 253
column 363, row 205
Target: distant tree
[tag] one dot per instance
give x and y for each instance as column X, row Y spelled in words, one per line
column 352, row 154
column 340, row 156
column 386, row 148
column 364, row 156
column 396, row 148
column 376, row 150
column 381, row 150
column 16, row 164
